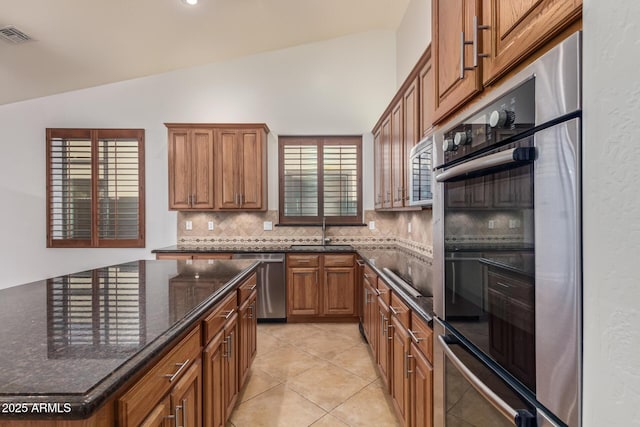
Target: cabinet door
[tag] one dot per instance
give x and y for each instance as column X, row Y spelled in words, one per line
column 383, row 342
column 370, row 307
column 452, row 28
column 400, row 370
column 498, row 326
column 385, row 162
column 227, row 169
column 302, row 291
column 339, row 290
column 397, row 155
column 411, row 133
column 186, row 399
column 377, row 168
column 179, row 169
column 251, row 175
column 253, row 328
column 247, row 340
column 231, row 364
column 213, row 389
column 518, row 27
column 420, row 390
column 202, row 167
column 159, row 415
column 427, row 94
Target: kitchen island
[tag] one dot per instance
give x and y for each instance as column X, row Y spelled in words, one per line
column 73, row 345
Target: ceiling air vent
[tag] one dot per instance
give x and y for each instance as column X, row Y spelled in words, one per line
column 13, row 35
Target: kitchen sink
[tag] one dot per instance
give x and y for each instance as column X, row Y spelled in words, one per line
column 321, row 248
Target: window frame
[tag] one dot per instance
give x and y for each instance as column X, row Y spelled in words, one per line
column 95, row 135
column 320, row 142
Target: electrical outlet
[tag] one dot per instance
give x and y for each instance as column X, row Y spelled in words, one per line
column 409, row 270
column 409, row 228
column 512, row 223
column 188, row 225
column 267, row 226
column 210, row 225
column 492, row 224
column 372, row 225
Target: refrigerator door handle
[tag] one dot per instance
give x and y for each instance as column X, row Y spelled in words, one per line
column 518, row 416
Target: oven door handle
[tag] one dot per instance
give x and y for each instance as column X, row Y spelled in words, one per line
column 513, row 155
column 519, row 417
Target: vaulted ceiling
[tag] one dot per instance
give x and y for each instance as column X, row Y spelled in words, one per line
column 83, row 43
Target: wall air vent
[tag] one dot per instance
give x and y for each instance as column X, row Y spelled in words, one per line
column 14, row 35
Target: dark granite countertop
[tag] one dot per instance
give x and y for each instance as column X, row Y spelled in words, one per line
column 76, row 339
column 251, row 249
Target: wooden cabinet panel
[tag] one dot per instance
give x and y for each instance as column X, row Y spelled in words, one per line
column 370, row 307
column 384, row 340
column 400, row 369
column 186, row 397
column 215, row 321
column 302, row 291
column 422, row 337
column 213, row 382
column 299, row 260
column 397, row 155
column 518, row 28
column 385, row 157
column 247, row 341
column 452, row 29
column 227, row 169
column 253, row 163
column 339, row 291
column 159, row 416
column 411, row 133
column 247, row 288
column 190, row 169
column 230, row 378
column 420, row 390
column 339, row 260
column 377, row 168
column 427, row 95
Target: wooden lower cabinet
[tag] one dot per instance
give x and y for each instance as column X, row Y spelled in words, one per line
column 400, row 370
column 420, row 389
column 159, row 415
column 370, row 307
column 248, row 336
column 384, row 339
column 230, row 378
column 186, row 397
column 321, row 287
column 213, row 388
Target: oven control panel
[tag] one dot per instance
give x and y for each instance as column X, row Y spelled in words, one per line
column 506, row 117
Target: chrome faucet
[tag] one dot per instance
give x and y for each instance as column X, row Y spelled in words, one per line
column 325, row 239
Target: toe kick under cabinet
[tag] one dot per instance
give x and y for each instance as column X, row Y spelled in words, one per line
column 321, row 287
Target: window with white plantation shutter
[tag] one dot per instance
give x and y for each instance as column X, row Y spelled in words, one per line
column 95, row 187
column 320, row 177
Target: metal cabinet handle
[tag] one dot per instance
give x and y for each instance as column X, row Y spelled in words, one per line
column 407, row 364
column 230, row 345
column 463, row 43
column 229, row 314
column 394, row 310
column 389, row 335
column 381, row 324
column 253, row 287
column 175, row 417
column 180, row 366
column 476, row 29
column 360, row 262
column 414, row 337
column 225, row 353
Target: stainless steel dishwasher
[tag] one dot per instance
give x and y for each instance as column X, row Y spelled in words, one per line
column 271, row 286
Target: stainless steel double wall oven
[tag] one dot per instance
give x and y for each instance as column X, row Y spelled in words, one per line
column 507, row 236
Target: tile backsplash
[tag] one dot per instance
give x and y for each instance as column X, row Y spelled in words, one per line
column 247, row 228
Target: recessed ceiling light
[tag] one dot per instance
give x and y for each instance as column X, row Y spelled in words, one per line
column 190, row 2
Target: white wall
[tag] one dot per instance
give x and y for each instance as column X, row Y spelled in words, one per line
column 412, row 37
column 334, row 87
column 611, row 213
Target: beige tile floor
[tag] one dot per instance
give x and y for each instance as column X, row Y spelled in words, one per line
column 313, row 374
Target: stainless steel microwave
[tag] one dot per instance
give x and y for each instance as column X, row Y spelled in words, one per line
column 421, row 177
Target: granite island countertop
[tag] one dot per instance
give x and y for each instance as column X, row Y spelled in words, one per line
column 76, row 339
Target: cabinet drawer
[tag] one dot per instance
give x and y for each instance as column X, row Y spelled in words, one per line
column 213, row 256
column 174, row 256
column 384, row 292
column 422, row 336
column 339, row 260
column 400, row 311
column 303, row 260
column 214, row 322
column 370, row 276
column 140, row 399
column 246, row 288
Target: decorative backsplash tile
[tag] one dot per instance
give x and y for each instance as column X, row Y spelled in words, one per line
column 232, row 229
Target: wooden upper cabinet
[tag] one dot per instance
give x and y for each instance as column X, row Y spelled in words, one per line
column 518, row 27
column 385, row 162
column 456, row 78
column 411, row 132
column 241, row 168
column 397, row 155
column 377, row 168
column 190, row 169
column 427, row 94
